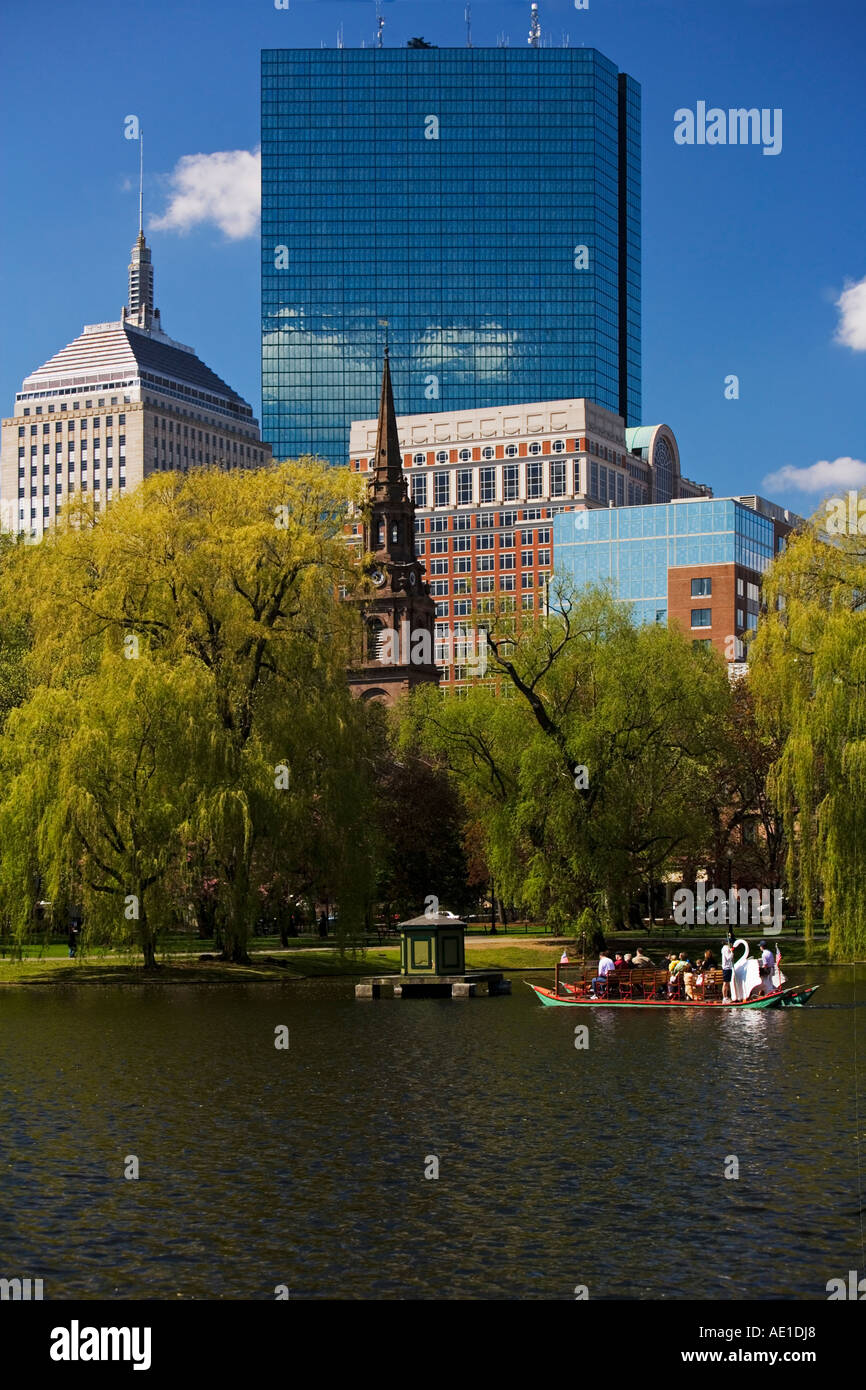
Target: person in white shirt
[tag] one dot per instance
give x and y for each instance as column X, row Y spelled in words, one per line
column 768, row 968
column 605, row 966
column 727, row 971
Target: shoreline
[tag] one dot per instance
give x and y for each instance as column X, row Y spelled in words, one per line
column 292, row 967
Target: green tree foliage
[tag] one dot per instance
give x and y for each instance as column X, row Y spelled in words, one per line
column 633, row 706
column 808, row 670
column 191, row 647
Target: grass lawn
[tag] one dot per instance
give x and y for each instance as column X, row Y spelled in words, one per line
column 54, row 968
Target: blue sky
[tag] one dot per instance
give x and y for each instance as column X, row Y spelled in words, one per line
column 745, row 256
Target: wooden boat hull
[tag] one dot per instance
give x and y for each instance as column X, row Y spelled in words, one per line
column 792, row 997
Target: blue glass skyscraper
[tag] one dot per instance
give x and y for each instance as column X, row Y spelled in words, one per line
column 486, row 202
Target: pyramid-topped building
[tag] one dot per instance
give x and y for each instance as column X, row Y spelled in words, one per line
column 121, row 401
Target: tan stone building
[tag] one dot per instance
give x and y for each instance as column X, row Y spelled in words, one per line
column 120, row 402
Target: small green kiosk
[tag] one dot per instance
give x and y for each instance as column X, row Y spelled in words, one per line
column 432, row 946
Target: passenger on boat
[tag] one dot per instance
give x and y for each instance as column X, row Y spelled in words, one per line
column 563, row 959
column 708, row 962
column 640, row 960
column 605, row 966
column 767, row 968
column 727, row 971
column 618, row 962
column 627, row 960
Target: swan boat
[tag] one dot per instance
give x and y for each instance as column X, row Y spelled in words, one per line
column 647, row 989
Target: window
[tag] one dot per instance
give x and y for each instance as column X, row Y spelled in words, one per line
column 558, row 446
column 740, row 588
column 462, row 607
column 441, row 486
column 419, row 489
column 508, row 519
column 463, row 564
column 487, row 482
column 557, row 479
column 702, row 617
column 741, row 620
column 464, row 486
column 535, row 448
column 420, row 458
column 511, row 482
column 485, row 562
column 438, row 566
column 533, row 479
column 701, row 642
column 465, row 455
column 593, row 479
column 438, row 587
column 527, row 602
column 702, row 588
column 462, row 542
column 461, row 523
column 484, row 584
column 461, row 586
column 442, row 456
column 544, row 557
column 527, row 580
column 439, row 523
column 486, row 519
column 439, row 546
column 441, row 610
column 526, row 558
column 753, row 592
column 511, row 451
column 506, row 562
column 488, row 453
column 507, row 585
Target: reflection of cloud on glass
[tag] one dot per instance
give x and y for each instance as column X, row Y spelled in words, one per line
column 467, row 353
column 459, row 352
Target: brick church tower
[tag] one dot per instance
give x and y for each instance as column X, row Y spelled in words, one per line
column 398, row 619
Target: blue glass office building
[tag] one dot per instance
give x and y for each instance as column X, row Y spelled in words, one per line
column 632, row 548
column 449, row 191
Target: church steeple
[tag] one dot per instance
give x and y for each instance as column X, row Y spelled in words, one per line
column 388, row 463
column 398, row 619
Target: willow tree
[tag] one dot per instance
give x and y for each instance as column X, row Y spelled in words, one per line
column 808, row 670
column 593, row 777
column 95, row 778
column 233, row 578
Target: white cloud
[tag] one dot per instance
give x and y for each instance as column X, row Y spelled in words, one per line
column 222, row 188
column 851, row 330
column 825, row 476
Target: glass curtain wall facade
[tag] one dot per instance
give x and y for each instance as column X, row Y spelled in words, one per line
column 632, row 549
column 486, row 202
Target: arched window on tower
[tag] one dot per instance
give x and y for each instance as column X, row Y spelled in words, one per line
column 381, row 533
column 375, row 639
column 395, row 532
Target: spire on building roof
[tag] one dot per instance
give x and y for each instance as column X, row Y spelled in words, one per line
column 388, row 466
column 139, row 310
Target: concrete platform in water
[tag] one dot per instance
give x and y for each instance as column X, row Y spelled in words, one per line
column 465, row 986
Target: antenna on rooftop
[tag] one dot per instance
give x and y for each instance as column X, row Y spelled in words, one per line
column 468, row 25
column 140, row 181
column 340, row 37
column 380, row 18
column 534, row 26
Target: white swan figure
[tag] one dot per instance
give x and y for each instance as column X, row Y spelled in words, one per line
column 746, row 973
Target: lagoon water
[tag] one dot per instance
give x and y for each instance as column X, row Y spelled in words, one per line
column 558, row 1167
